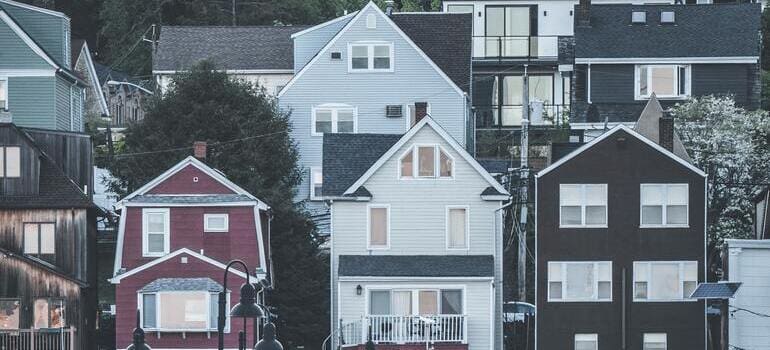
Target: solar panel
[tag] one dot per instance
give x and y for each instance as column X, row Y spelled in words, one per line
column 718, row 290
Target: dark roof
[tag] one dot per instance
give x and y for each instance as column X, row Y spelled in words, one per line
column 204, row 284
column 219, row 198
column 446, row 38
column 257, row 47
column 417, row 265
column 495, row 166
column 491, row 191
column 722, row 30
column 346, row 157
column 583, row 112
column 76, row 47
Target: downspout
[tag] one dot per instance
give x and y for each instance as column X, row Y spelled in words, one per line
column 588, row 83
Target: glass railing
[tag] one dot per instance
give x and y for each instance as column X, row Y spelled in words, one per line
column 516, row 47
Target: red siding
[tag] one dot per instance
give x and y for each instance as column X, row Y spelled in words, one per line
column 182, row 183
column 126, row 305
column 187, row 232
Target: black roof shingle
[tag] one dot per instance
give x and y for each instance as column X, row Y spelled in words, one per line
column 417, row 265
column 348, row 156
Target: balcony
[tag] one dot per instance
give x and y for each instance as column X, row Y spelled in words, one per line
column 389, row 329
column 38, row 339
column 510, row 116
column 516, row 48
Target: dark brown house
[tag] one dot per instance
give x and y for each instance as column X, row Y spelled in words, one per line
column 620, row 243
column 47, row 240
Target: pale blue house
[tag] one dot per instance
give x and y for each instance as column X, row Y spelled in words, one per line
column 370, row 72
column 38, row 87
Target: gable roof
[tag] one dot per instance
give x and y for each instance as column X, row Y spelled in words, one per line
column 116, row 279
column 393, row 25
column 648, row 126
column 34, row 46
column 721, row 30
column 425, row 122
column 230, row 48
column 445, row 37
column 609, row 133
column 198, row 284
column 33, row 8
column 80, row 49
column 29, row 260
column 342, row 167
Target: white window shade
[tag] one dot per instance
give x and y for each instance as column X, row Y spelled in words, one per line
column 12, row 162
column 664, row 280
column 183, row 311
column 580, row 281
column 31, row 239
column 216, row 222
column 664, row 205
column 586, row 341
column 47, row 239
column 583, row 205
column 457, row 228
column 378, row 227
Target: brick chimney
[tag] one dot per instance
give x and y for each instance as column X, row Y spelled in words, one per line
column 199, row 149
column 666, row 132
column 584, row 13
column 420, row 111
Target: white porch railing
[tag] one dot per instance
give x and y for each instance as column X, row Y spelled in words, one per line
column 38, row 339
column 405, row 329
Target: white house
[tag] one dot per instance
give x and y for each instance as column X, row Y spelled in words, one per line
column 748, row 262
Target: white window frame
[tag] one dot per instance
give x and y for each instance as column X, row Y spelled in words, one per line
column 687, row 81
column 159, row 328
column 665, row 205
column 594, row 298
column 665, row 339
column 334, row 108
column 436, row 159
column 370, row 56
column 648, row 273
column 467, row 225
column 167, row 234
column 39, row 237
column 369, row 208
column 4, row 79
column 585, row 337
column 583, row 206
column 4, row 162
column 313, row 171
column 207, row 228
column 409, row 108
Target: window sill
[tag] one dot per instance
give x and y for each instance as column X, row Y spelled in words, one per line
column 646, row 98
column 664, row 226
column 578, row 301
column 216, row 231
column 367, row 71
column 665, row 301
column 583, row 226
column 154, row 255
column 378, row 248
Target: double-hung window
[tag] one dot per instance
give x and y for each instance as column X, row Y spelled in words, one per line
column 156, row 232
column 426, row 162
column 181, row 311
column 457, row 227
column 10, row 161
column 218, row 222
column 9, row 313
column 3, row 93
column 334, row 118
column 664, row 205
column 316, row 183
column 583, row 205
column 666, row 81
column 48, row 313
column 580, row 281
column 664, row 280
column 654, row 341
column 39, row 238
column 378, row 226
column 586, row 341
column 370, row 57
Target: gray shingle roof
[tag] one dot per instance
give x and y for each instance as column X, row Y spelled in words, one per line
column 203, row 284
column 257, row 47
column 417, row 265
column 491, row 191
column 445, row 38
column 722, row 30
column 347, row 156
column 495, row 166
column 218, row 198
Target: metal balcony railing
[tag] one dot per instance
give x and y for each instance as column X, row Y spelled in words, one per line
column 501, row 116
column 516, row 47
column 38, row 339
column 394, row 329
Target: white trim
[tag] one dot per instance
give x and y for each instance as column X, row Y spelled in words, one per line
column 324, row 24
column 207, row 216
column 119, row 247
column 209, row 296
column 166, row 234
column 494, row 197
column 583, row 206
column 23, row 35
column 599, row 125
column 664, row 206
column 655, row 60
column 218, row 204
column 649, row 274
column 27, row 72
column 748, row 243
column 370, row 45
column 609, row 133
column 563, row 280
column 369, row 208
column 677, row 79
column 261, row 241
column 415, row 290
column 6, row 104
column 410, row 278
column 437, row 149
column 467, row 209
column 35, row 8
column 335, row 109
column 370, row 5
column 408, row 115
column 85, row 52
column 118, row 278
column 313, row 170
column 404, row 139
column 230, row 71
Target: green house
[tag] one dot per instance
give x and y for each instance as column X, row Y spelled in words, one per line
column 38, row 88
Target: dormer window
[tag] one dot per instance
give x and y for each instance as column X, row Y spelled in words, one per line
column 10, row 161
column 638, row 17
column 426, row 162
column 370, row 57
column 667, row 17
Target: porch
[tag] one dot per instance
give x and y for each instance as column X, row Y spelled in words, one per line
column 411, row 329
column 38, row 339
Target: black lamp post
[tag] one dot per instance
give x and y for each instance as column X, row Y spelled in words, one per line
column 268, row 341
column 138, row 341
column 245, row 309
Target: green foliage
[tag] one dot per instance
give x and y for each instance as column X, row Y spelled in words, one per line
column 248, row 141
column 765, row 99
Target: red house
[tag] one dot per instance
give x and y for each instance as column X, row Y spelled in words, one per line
column 176, row 234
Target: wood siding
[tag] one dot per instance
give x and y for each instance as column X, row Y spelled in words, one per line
column 31, row 101
column 72, row 152
column 27, row 183
column 623, row 169
column 183, row 182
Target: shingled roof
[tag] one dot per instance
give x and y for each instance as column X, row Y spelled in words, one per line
column 721, row 30
column 233, row 48
column 417, row 265
column 445, row 37
column 346, row 157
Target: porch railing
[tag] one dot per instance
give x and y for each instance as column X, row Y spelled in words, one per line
column 405, row 329
column 516, row 47
column 38, row 339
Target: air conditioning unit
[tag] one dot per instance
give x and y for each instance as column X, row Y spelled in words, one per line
column 394, row 111
column 336, row 55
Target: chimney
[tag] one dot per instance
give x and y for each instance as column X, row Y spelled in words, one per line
column 199, row 149
column 389, row 7
column 5, row 116
column 584, row 13
column 666, row 132
column 420, row 111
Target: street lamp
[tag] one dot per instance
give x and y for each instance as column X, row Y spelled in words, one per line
column 245, row 309
column 268, row 341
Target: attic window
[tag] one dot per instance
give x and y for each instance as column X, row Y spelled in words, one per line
column 667, row 17
column 426, row 161
column 639, row 17
column 371, row 21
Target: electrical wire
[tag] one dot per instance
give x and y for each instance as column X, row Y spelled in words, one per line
column 735, row 308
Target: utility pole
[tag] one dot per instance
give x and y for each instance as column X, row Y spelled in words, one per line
column 233, row 13
column 523, row 197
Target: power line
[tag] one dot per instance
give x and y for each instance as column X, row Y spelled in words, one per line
column 735, row 308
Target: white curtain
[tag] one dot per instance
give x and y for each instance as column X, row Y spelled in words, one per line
column 402, row 303
column 457, row 228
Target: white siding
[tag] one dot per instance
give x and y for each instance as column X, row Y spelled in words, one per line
column 749, row 263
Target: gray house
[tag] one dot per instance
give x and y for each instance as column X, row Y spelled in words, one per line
column 369, row 72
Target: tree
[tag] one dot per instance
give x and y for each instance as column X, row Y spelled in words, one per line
column 731, row 145
column 248, row 140
column 765, row 55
